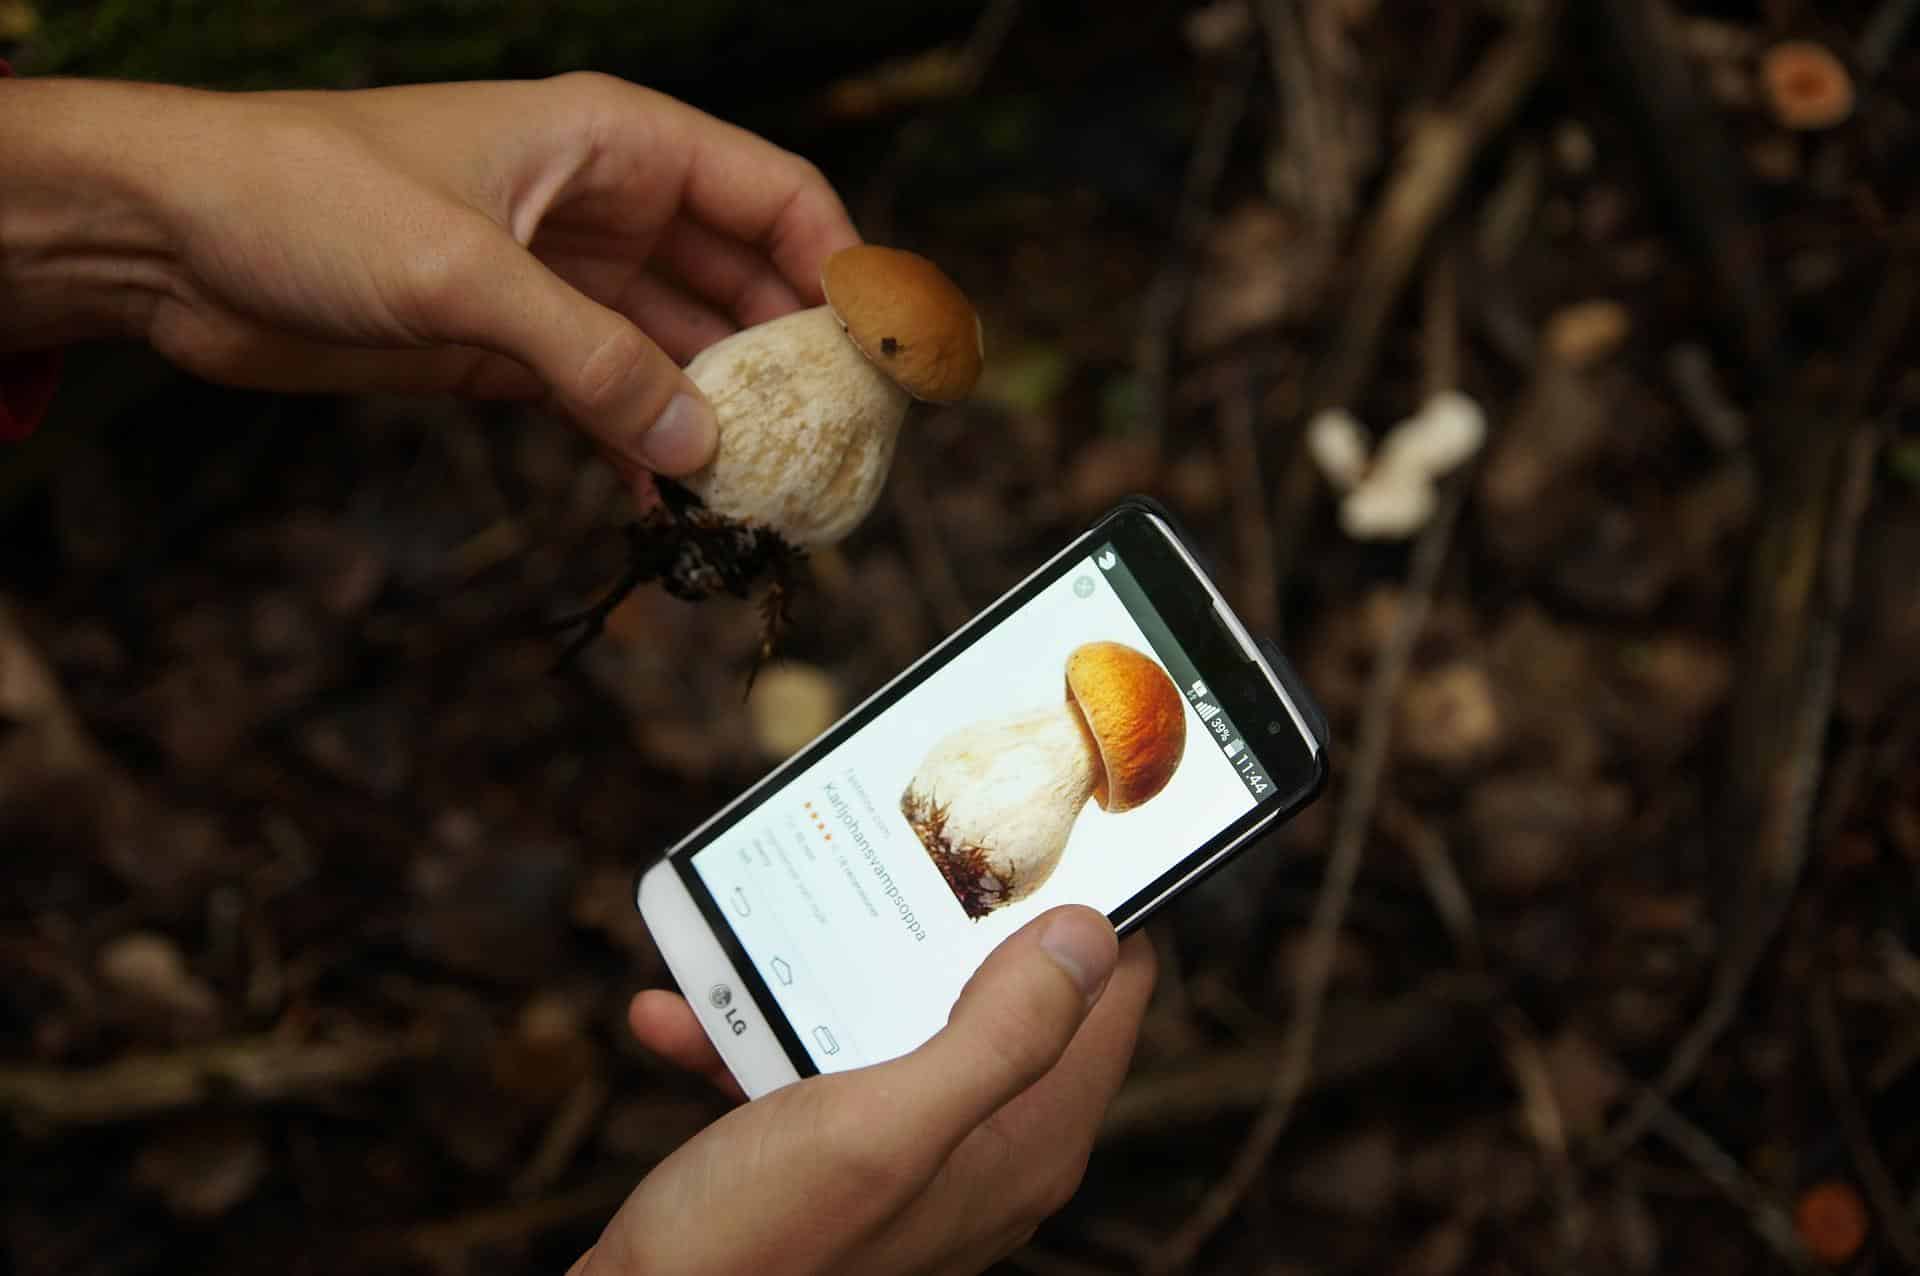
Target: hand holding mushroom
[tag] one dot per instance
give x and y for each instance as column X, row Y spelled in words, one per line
column 809, row 408
column 994, row 804
column 569, row 240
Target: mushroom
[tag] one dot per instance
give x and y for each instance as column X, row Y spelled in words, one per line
column 791, row 704
column 1391, row 495
column 1807, row 85
column 995, row 803
column 810, row 404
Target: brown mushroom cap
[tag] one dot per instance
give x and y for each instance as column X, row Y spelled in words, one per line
column 1807, row 85
column 908, row 318
column 1135, row 716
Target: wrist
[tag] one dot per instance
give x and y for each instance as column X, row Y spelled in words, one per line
column 85, row 249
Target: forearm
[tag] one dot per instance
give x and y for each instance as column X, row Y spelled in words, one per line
column 85, row 245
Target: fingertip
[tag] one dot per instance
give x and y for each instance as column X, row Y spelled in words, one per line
column 1081, row 942
column 663, row 1023
column 684, row 437
column 653, row 1015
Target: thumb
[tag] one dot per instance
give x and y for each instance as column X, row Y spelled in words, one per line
column 598, row 367
column 1014, row 1019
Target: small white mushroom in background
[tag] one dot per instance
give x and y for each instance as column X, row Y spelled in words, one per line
column 810, row 404
column 150, row 968
column 789, row 706
column 1395, row 496
column 1390, row 505
column 1444, row 434
column 994, row 804
column 1339, row 446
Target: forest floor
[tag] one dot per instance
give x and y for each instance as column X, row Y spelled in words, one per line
column 1598, row 955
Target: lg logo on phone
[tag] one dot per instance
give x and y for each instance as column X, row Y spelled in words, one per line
column 720, row 997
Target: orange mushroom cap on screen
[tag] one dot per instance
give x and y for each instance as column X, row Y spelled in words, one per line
column 1135, row 716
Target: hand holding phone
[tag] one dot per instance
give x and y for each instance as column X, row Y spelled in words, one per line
column 945, row 1158
column 1105, row 734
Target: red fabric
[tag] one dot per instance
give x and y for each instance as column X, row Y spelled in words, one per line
column 26, row 380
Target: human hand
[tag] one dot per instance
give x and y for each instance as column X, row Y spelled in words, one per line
column 569, row 239
column 943, row 1160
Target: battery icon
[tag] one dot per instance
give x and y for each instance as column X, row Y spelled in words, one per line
column 1234, row 746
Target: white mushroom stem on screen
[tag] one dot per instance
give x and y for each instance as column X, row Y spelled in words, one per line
column 1006, row 795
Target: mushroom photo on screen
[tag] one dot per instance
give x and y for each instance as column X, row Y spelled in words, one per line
column 994, row 803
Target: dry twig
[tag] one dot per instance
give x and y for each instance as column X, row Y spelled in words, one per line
column 1352, row 823
column 251, row 1071
column 449, row 1245
column 1800, row 583
column 1247, row 498
column 1872, row 1167
column 571, row 1126
column 1167, row 296
column 1769, row 1220
column 1427, row 178
column 1355, row 1044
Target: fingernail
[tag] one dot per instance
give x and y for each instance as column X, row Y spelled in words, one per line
column 1083, row 945
column 682, row 438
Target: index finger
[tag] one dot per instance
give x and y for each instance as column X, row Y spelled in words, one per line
column 744, row 186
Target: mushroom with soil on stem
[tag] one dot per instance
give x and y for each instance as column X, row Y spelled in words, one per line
column 809, row 408
column 995, row 803
column 810, row 404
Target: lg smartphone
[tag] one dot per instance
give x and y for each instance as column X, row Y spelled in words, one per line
column 1106, row 734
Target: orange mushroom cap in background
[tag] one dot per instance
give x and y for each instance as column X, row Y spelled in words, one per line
column 1832, row 1221
column 908, row 319
column 1806, row 85
column 1136, row 718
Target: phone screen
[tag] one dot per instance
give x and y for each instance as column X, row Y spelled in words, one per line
column 867, row 887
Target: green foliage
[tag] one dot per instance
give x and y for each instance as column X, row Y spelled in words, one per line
column 1903, row 459
column 352, row 43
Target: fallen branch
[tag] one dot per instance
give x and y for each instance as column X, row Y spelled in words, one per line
column 248, row 1072
column 1769, row 1220
column 1356, row 1044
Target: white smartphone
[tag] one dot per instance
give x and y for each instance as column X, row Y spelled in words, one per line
column 1105, row 734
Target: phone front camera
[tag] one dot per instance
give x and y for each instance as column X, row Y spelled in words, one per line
column 1273, row 728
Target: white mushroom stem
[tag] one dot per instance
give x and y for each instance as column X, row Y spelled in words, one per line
column 1449, row 428
column 1338, row 444
column 807, row 427
column 1013, row 788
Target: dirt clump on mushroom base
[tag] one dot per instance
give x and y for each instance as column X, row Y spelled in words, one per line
column 696, row 553
column 970, row 875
